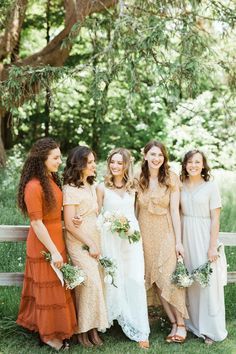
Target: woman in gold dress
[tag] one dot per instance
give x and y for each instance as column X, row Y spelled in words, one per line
column 158, row 215
column 79, row 199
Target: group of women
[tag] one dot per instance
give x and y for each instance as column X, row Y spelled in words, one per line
column 175, row 216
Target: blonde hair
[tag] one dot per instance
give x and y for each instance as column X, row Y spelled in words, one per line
column 128, row 169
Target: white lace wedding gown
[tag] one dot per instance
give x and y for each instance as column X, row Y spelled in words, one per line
column 127, row 303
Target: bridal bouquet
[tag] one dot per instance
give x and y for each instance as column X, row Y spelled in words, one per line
column 118, row 223
column 71, row 275
column 181, row 277
column 109, row 266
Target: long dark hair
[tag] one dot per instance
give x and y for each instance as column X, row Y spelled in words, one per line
column 34, row 167
column 206, row 175
column 75, row 164
column 163, row 174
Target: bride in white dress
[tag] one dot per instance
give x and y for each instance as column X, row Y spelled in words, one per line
column 127, row 302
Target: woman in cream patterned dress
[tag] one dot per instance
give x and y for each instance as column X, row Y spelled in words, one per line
column 79, row 199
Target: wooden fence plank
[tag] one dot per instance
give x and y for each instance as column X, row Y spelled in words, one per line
column 8, row 279
column 231, row 277
column 11, row 279
column 228, row 238
column 11, row 233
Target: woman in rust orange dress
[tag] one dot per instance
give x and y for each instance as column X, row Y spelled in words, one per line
column 46, row 307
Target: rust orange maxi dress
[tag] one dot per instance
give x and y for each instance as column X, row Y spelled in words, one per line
column 46, row 307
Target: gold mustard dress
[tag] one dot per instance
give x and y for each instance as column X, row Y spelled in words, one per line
column 90, row 301
column 159, row 243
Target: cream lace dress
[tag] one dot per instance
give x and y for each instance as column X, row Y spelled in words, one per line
column 127, row 303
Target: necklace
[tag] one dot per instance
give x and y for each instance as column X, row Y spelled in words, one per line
column 118, row 187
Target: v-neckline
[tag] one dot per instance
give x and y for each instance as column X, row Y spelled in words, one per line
column 121, row 197
column 194, row 189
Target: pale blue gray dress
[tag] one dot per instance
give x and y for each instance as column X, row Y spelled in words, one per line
column 205, row 306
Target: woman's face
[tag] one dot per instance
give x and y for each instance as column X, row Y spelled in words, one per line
column 116, row 165
column 195, row 165
column 154, row 158
column 53, row 160
column 90, row 169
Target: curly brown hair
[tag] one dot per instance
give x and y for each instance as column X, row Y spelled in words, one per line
column 75, row 164
column 128, row 169
column 206, row 175
column 34, row 167
column 163, row 174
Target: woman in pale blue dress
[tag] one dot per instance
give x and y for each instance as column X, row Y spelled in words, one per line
column 200, row 207
column 127, row 302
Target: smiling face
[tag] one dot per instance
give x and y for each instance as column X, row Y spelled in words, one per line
column 154, row 158
column 90, row 169
column 195, row 165
column 116, row 165
column 53, row 160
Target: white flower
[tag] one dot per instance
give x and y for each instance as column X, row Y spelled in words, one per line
column 107, row 215
column 107, row 224
column 186, row 281
column 108, row 279
column 180, row 259
column 130, row 231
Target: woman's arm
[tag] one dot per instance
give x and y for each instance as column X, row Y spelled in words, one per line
column 69, row 213
column 175, row 216
column 44, row 237
column 100, row 196
column 214, row 232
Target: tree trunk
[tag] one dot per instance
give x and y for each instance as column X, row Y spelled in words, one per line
column 6, row 130
column 2, row 150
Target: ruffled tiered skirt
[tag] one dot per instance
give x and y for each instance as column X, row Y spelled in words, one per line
column 46, row 307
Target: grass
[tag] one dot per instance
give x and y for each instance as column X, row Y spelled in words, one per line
column 16, row 340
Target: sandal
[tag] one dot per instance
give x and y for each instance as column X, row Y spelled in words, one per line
column 177, row 338
column 208, row 341
column 170, row 337
column 65, row 345
column 143, row 344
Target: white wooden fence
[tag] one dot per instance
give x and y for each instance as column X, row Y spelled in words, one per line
column 9, row 233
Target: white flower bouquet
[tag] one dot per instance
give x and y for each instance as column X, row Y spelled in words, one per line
column 120, row 225
column 202, row 274
column 109, row 266
column 181, row 277
column 71, row 275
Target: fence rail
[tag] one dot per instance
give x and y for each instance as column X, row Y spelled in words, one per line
column 9, row 233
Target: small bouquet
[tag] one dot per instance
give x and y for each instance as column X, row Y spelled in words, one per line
column 109, row 267
column 181, row 277
column 71, row 275
column 202, row 274
column 117, row 223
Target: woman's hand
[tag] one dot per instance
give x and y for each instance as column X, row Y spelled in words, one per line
column 212, row 254
column 179, row 249
column 77, row 220
column 57, row 259
column 94, row 251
